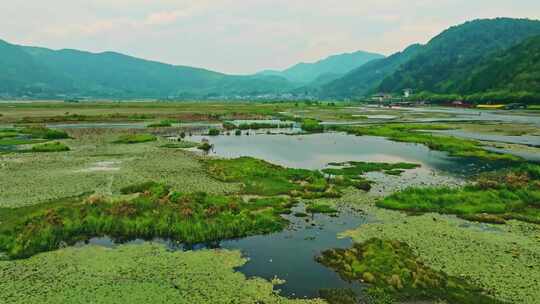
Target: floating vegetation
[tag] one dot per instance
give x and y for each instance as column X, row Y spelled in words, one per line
column 320, row 208
column 257, row 126
column 155, row 211
column 258, row 177
column 29, row 135
column 42, row 177
column 135, row 138
column 180, row 145
column 415, row 133
column 50, row 147
column 392, row 269
column 339, row 296
column 494, row 198
column 354, row 169
column 134, row 274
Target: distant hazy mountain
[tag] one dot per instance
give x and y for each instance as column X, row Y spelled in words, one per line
column 326, row 69
column 32, row 71
column 361, row 80
column 451, row 54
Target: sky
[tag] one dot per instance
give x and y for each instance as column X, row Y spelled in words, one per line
column 242, row 36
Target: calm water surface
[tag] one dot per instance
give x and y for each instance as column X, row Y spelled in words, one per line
column 315, row 151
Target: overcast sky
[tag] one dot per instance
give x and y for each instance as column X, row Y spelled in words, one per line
column 242, row 36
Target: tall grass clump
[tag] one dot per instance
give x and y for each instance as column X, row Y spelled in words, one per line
column 312, row 126
column 258, row 177
column 50, row 147
column 394, row 274
column 494, row 197
column 153, row 211
column 44, row 133
column 135, row 138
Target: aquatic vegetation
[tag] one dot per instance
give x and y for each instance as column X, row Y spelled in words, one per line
column 413, row 133
column 320, row 208
column 180, row 145
column 50, row 147
column 498, row 258
column 258, row 177
column 155, row 211
column 256, row 126
column 312, row 126
column 161, row 124
column 43, row 177
column 214, row 132
column 29, row 135
column 134, row 274
column 135, row 138
column 495, row 197
column 205, row 146
column 354, row 169
column 20, row 141
column 44, row 133
column 392, row 268
column 339, row 296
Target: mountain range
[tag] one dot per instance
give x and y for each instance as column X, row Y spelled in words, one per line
column 34, row 71
column 41, row 72
column 324, row 70
column 481, row 56
column 495, row 59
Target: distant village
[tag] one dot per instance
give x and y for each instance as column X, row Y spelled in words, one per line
column 405, row 100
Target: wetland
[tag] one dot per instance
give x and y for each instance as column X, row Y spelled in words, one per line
column 299, row 203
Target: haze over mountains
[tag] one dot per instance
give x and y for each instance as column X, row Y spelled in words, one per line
column 494, row 57
column 332, row 67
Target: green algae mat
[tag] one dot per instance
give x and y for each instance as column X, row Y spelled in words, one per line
column 133, row 274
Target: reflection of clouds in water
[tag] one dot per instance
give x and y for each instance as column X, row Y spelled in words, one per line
column 315, row 151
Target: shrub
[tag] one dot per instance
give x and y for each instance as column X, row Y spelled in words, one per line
column 44, row 133
column 214, row 132
column 50, row 147
column 312, row 126
column 135, row 138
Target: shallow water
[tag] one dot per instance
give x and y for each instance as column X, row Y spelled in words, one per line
column 529, row 140
column 476, row 115
column 315, row 151
column 288, row 255
column 457, row 114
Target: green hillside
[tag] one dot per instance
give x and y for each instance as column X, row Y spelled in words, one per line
column 451, row 54
column 514, row 70
column 39, row 72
